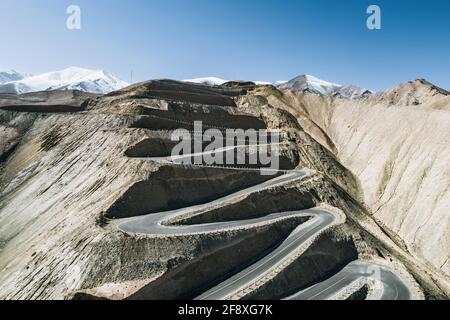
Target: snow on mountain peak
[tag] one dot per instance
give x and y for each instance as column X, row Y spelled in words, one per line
column 311, row 84
column 210, row 81
column 352, row 92
column 10, row 75
column 73, row 78
column 303, row 83
column 262, row 83
column 308, row 83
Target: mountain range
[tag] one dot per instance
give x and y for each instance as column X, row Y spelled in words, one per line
column 311, row 84
column 9, row 76
column 102, row 82
column 303, row 83
column 73, row 78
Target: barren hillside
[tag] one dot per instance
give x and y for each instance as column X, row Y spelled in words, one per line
column 397, row 144
column 91, row 207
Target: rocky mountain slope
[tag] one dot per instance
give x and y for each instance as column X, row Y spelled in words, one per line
column 397, row 144
column 74, row 175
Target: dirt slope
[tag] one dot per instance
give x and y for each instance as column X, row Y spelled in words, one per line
column 397, row 144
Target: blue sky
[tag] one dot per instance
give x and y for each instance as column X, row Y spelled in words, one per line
column 234, row 39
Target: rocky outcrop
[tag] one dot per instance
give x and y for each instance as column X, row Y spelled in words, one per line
column 172, row 188
column 9, row 139
column 414, row 93
column 238, row 84
column 258, row 205
column 46, row 101
column 13, row 126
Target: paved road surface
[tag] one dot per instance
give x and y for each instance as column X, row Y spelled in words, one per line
column 393, row 287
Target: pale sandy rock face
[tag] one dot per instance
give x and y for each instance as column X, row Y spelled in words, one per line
column 401, row 157
column 9, row 138
column 413, row 93
column 301, row 106
column 397, row 144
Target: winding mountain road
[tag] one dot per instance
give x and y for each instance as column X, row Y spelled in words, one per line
column 306, row 231
column 388, row 285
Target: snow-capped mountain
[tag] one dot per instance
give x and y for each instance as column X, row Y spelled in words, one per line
column 307, row 83
column 95, row 81
column 352, row 92
column 210, row 81
column 311, row 84
column 279, row 83
column 8, row 76
column 303, row 83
